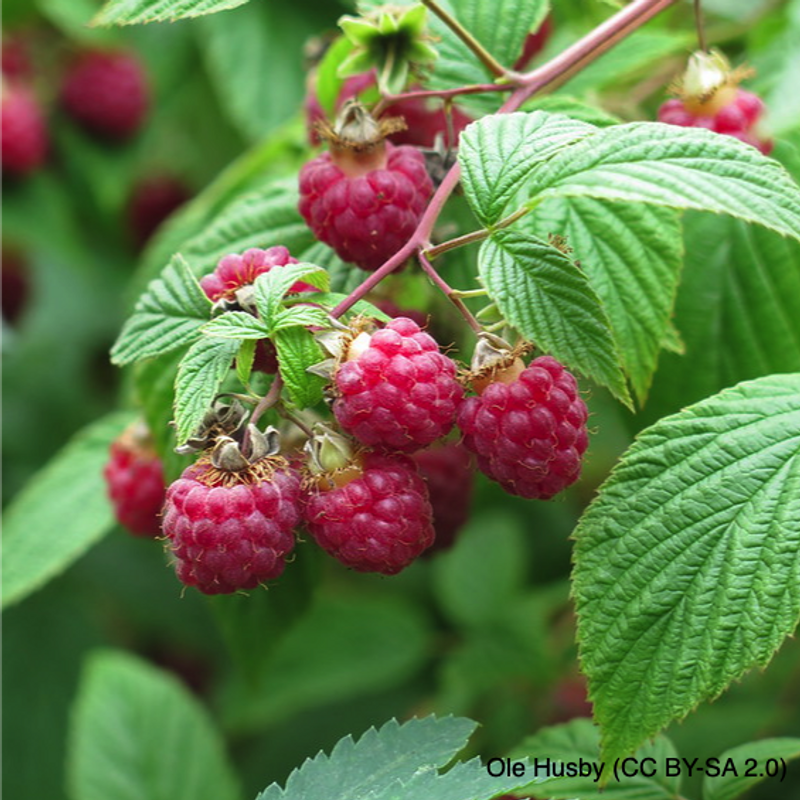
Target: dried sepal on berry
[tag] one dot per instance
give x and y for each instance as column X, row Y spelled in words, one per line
column 494, row 360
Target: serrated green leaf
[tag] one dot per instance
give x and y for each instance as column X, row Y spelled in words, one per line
column 300, row 315
column 686, row 565
column 244, row 360
column 549, row 301
column 737, row 310
column 332, row 299
column 735, row 782
column 263, row 218
column 129, row 12
column 137, row 732
column 499, row 153
column 632, row 256
column 168, row 315
column 200, row 375
column 573, row 108
column 236, row 325
column 271, row 287
column 297, row 351
column 580, row 739
column 649, row 162
column 365, row 768
column 61, row 512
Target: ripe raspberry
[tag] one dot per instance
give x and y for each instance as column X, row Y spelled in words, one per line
column 232, row 530
column 366, row 196
column 135, row 482
column 395, row 389
column 529, row 434
column 379, row 521
column 107, row 93
column 24, row 131
column 152, row 201
column 448, row 470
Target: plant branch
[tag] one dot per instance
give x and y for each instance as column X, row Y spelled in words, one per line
column 269, row 399
column 452, row 295
column 583, row 52
column 486, row 58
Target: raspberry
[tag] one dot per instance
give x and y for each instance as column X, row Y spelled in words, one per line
column 24, row 131
column 365, row 215
column 16, row 57
column 107, row 93
column 448, row 471
column 235, row 271
column 152, row 201
column 529, row 435
column 379, row 521
column 395, row 389
column 710, row 97
column 135, row 481
column 231, row 530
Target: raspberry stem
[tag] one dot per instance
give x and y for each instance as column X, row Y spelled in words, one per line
column 555, row 71
column 452, row 295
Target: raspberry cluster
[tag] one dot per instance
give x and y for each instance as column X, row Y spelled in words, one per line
column 25, row 140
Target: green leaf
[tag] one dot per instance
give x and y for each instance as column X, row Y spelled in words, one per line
column 300, row 315
column 297, row 351
column 632, row 256
column 762, row 759
column 344, row 648
column 572, row 107
column 580, row 739
column 738, row 311
column 236, row 325
column 253, row 56
column 330, row 300
column 490, row 545
column 271, row 287
column 168, row 315
column 499, row 153
column 129, row 12
column 262, row 218
column 398, row 762
column 649, row 162
column 328, row 84
column 61, row 512
column 138, row 733
column 200, row 375
column 244, row 360
column 687, row 565
column 549, row 300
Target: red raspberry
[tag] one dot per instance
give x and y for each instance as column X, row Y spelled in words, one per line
column 229, row 531
column 235, row 271
column 152, row 201
column 448, row 470
column 24, row 131
column 736, row 116
column 530, row 434
column 135, row 481
column 377, row 522
column 395, row 389
column 534, row 44
column 107, row 93
column 365, row 216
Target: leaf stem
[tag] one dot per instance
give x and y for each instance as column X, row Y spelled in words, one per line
column 451, row 293
column 486, row 58
column 701, row 31
column 269, row 399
